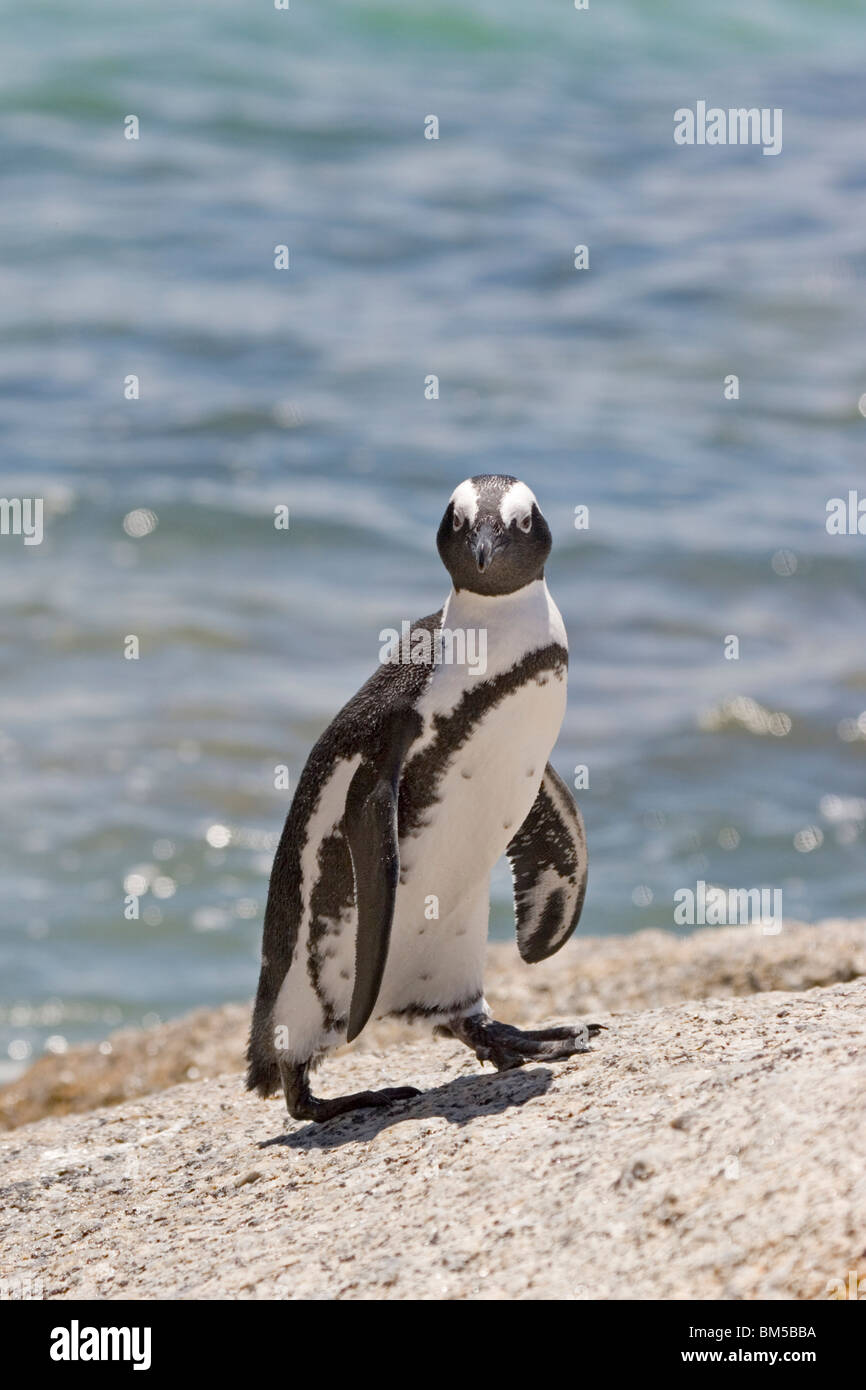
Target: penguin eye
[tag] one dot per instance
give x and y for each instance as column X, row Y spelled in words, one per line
column 458, row 520
column 525, row 522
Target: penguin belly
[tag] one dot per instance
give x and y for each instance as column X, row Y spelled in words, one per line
column 438, row 940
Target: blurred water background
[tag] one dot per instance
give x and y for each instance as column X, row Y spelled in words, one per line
column 410, row 257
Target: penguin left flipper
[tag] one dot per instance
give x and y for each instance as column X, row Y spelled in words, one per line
column 370, row 826
column 549, row 866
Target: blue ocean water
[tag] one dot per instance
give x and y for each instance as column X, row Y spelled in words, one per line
column 305, row 388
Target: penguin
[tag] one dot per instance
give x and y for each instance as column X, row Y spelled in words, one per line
column 379, row 895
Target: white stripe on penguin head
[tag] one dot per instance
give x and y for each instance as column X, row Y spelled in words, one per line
column 516, row 504
column 465, row 499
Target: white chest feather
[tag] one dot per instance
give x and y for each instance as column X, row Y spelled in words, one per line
column 485, row 792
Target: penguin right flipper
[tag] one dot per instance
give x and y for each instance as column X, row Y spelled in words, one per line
column 549, row 865
column 370, row 826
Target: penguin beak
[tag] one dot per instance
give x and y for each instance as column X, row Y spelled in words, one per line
column 484, row 543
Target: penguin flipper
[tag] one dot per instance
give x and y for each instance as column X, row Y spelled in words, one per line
column 548, row 864
column 370, row 827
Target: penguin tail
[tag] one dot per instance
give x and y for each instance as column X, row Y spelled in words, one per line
column 263, row 1077
column 263, row 1074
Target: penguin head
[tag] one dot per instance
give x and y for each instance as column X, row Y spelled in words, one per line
column 493, row 538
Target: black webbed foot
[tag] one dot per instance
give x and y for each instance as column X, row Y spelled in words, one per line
column 303, row 1105
column 508, row 1047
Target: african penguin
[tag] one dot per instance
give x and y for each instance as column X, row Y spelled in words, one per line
column 380, row 889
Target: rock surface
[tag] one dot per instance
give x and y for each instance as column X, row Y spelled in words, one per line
column 712, row 1148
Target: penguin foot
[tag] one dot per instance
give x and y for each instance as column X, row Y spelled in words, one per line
column 303, row 1105
column 507, row 1047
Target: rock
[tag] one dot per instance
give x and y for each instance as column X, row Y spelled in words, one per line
column 699, row 1150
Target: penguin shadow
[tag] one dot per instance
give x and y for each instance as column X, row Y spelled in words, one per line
column 460, row 1100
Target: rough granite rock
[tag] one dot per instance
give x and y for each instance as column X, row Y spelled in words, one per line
column 635, row 972
column 705, row 1149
